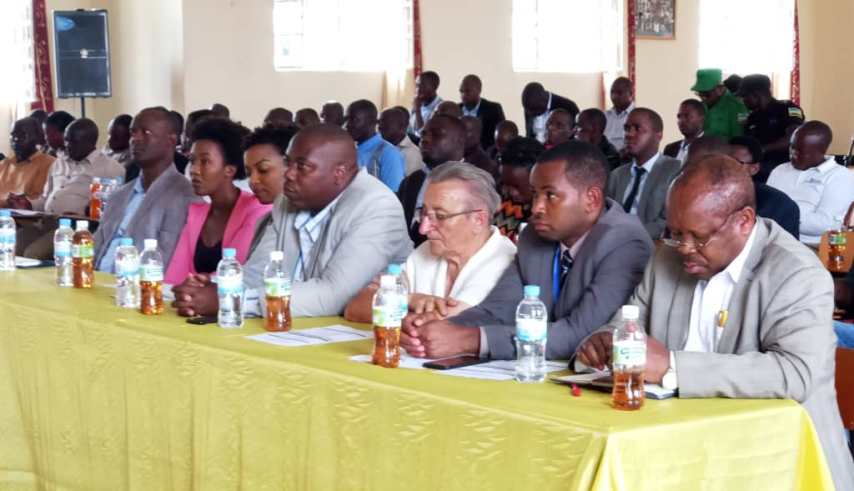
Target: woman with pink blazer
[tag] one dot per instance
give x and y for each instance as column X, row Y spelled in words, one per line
column 229, row 219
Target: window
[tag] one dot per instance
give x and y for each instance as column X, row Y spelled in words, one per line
column 342, row 35
column 568, row 36
column 17, row 85
column 747, row 37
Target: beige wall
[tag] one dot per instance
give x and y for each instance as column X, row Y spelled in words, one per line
column 187, row 54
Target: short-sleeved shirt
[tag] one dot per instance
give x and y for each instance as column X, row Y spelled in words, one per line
column 726, row 118
column 383, row 161
column 25, row 177
column 770, row 124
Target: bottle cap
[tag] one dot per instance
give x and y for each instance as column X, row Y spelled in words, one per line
column 150, row 243
column 631, row 312
column 65, row 222
column 229, row 252
column 387, row 281
column 126, row 241
column 532, row 290
column 96, row 180
column 82, row 224
column 5, row 213
column 277, row 255
column 394, row 269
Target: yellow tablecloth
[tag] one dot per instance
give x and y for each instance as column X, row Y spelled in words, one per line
column 95, row 397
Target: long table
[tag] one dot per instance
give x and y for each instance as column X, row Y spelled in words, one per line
column 96, row 397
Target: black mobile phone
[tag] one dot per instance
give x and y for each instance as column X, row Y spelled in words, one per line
column 455, row 362
column 202, row 320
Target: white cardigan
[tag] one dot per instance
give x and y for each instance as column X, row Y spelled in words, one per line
column 427, row 274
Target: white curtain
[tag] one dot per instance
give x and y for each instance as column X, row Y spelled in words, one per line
column 17, row 84
column 745, row 37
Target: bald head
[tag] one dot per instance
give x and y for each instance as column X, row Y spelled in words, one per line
column 705, row 146
column 711, row 212
column 81, row 137
column 716, row 180
column 809, row 144
column 320, row 164
column 442, row 140
column 449, row 108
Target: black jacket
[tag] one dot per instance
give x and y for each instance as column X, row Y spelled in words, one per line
column 490, row 114
column 672, row 149
column 407, row 193
column 778, row 206
column 557, row 102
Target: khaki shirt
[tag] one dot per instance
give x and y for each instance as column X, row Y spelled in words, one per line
column 27, row 177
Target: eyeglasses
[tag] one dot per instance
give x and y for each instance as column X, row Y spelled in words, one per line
column 697, row 245
column 441, row 217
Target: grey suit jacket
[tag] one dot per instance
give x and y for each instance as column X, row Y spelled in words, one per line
column 161, row 215
column 654, row 194
column 778, row 341
column 607, row 268
column 364, row 233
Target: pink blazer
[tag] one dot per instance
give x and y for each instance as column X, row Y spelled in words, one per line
column 238, row 234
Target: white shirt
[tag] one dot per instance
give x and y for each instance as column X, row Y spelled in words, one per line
column 427, row 111
column 685, row 147
column 427, row 274
column 539, row 122
column 614, row 129
column 711, row 303
column 647, row 166
column 67, row 187
column 411, row 155
column 822, row 193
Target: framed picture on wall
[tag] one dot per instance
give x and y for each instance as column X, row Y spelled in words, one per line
column 656, row 19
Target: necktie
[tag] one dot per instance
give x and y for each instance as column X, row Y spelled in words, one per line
column 565, row 266
column 630, row 199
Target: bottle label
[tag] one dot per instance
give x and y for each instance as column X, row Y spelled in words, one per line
column 82, row 251
column 277, row 287
column 127, row 269
column 629, row 354
column 7, row 236
column 151, row 272
column 531, row 329
column 230, row 285
column 390, row 316
column 62, row 249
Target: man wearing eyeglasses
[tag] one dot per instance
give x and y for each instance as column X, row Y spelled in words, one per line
column 736, row 307
column 726, row 114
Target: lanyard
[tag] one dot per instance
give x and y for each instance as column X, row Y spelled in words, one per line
column 556, row 275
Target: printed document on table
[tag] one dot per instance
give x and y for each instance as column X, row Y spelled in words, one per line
column 498, row 370
column 313, row 336
column 406, row 361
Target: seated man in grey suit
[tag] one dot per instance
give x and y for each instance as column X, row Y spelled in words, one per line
column 737, row 307
column 641, row 185
column 582, row 249
column 337, row 225
column 154, row 205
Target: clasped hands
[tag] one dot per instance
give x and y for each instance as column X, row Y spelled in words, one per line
column 428, row 334
column 196, row 296
column 596, row 352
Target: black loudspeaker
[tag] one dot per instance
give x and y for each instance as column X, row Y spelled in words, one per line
column 82, row 53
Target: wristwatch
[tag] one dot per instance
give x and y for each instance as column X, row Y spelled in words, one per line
column 669, row 380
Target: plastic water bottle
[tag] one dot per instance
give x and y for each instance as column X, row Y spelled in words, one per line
column 396, row 270
column 82, row 254
column 532, row 321
column 62, row 253
column 7, row 241
column 277, row 286
column 127, row 274
column 628, row 361
column 151, row 279
column 389, row 308
column 229, row 281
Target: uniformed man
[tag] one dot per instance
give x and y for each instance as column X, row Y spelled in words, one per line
column 772, row 122
column 725, row 113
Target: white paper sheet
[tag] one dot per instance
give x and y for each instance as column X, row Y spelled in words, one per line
column 498, row 370
column 25, row 262
column 313, row 336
